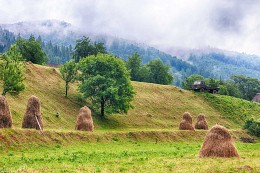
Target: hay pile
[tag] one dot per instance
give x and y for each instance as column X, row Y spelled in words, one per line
column 186, row 123
column 218, row 143
column 84, row 120
column 201, row 122
column 5, row 114
column 33, row 110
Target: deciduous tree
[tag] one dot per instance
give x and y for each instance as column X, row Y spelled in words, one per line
column 11, row 71
column 106, row 81
column 84, row 47
column 68, row 74
column 31, row 50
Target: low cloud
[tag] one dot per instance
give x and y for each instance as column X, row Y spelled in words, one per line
column 231, row 25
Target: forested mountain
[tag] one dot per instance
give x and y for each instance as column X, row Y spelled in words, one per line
column 58, row 39
column 6, row 39
column 224, row 64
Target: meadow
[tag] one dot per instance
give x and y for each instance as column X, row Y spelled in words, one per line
column 146, row 139
column 128, row 156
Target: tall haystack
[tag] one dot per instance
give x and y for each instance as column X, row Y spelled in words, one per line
column 186, row 123
column 201, row 122
column 5, row 114
column 84, row 120
column 218, row 143
column 32, row 117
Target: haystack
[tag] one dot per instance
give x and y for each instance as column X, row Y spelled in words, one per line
column 84, row 120
column 186, row 123
column 218, row 143
column 5, row 114
column 32, row 114
column 201, row 122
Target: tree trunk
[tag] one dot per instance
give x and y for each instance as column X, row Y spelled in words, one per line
column 102, row 107
column 66, row 89
column 4, row 91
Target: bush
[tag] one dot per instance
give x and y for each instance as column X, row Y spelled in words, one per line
column 253, row 127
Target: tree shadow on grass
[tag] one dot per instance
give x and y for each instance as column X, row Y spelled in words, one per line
column 105, row 123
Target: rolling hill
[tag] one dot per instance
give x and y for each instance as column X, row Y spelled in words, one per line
column 147, row 138
column 156, row 107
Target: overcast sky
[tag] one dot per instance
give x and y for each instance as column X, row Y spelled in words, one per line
column 226, row 24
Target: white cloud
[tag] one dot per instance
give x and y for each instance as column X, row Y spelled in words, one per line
column 232, row 25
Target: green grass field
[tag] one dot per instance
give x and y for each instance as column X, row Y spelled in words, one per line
column 128, row 156
column 146, row 139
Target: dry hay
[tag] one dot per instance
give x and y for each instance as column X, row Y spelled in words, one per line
column 84, row 120
column 5, row 114
column 33, row 110
column 186, row 123
column 201, row 122
column 218, row 143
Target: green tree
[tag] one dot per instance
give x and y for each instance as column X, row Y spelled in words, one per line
column 223, row 90
column 247, row 86
column 68, row 74
column 31, row 50
column 11, row 71
column 84, row 47
column 159, row 73
column 188, row 82
column 134, row 65
column 232, row 89
column 106, row 81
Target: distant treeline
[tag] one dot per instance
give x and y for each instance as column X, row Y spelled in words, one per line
column 239, row 86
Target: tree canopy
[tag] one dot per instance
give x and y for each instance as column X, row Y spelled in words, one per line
column 159, row 72
column 84, row 47
column 134, row 64
column 68, row 73
column 31, row 50
column 11, row 71
column 154, row 71
column 106, row 81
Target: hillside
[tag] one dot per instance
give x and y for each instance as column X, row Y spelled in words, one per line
column 226, row 63
column 156, row 107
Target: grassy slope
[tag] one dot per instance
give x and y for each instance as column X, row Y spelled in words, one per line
column 155, row 106
column 144, row 140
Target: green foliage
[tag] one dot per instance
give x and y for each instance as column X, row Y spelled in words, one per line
column 188, row 82
column 68, row 74
column 106, row 81
column 247, row 86
column 11, row 71
column 85, row 48
column 31, row 50
column 159, row 73
column 154, row 71
column 231, row 89
column 253, row 127
column 223, row 90
column 134, row 65
column 212, row 83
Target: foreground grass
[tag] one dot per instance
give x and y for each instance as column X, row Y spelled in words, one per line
column 127, row 156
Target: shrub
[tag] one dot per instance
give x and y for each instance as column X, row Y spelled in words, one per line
column 253, row 127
